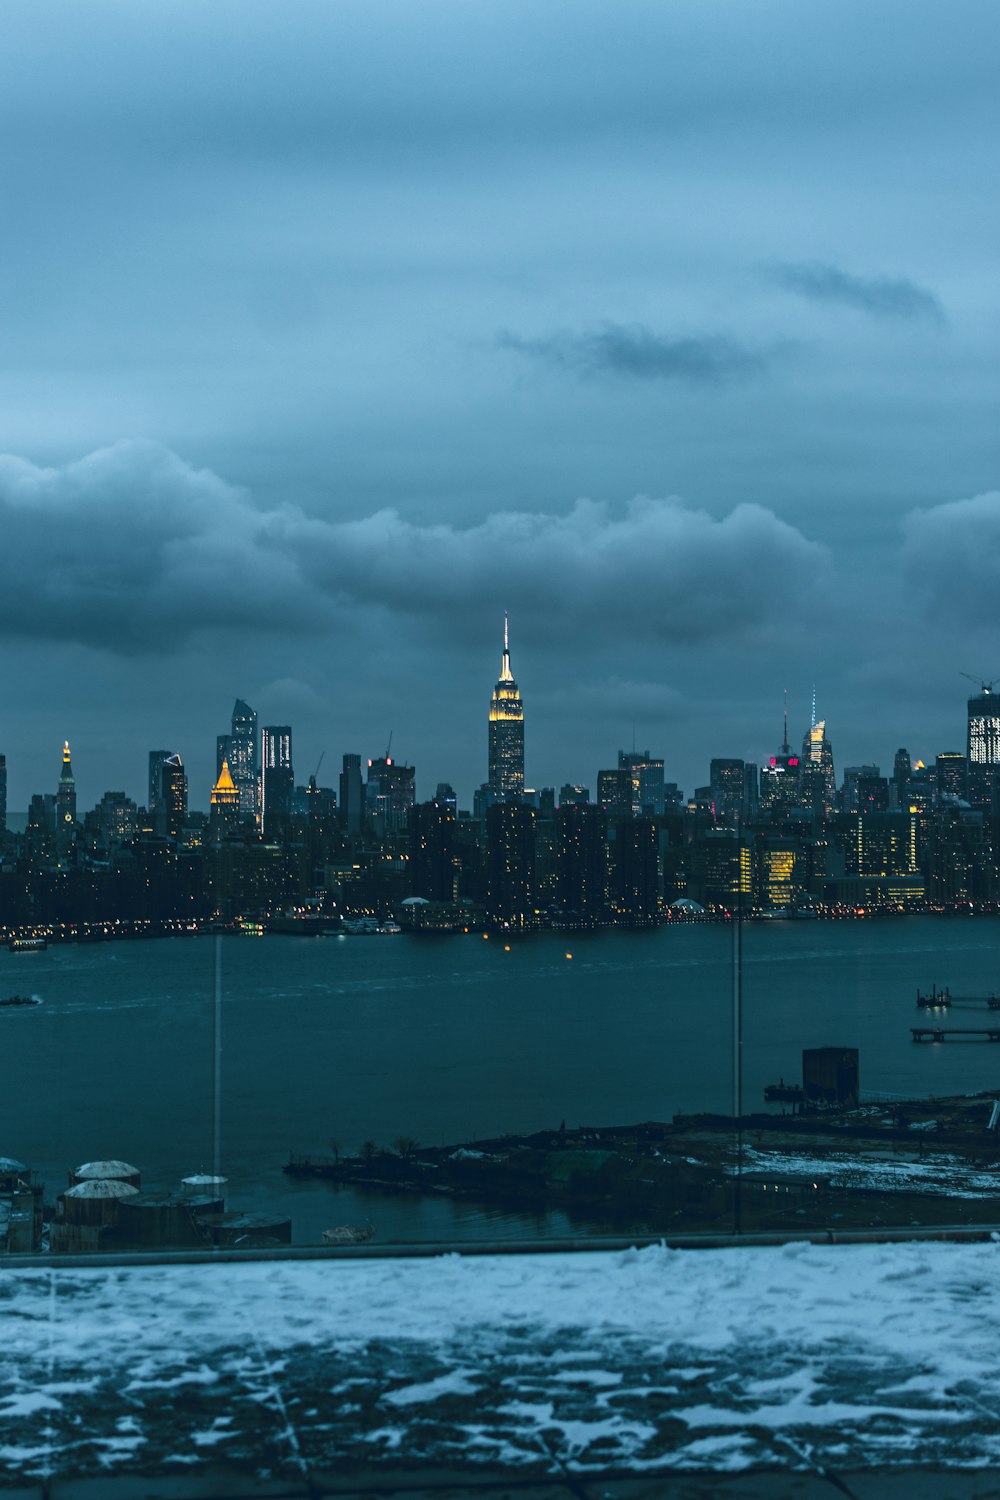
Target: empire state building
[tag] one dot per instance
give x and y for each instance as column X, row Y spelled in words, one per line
column 506, row 778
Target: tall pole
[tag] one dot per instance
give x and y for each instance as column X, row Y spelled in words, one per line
column 738, row 1031
column 217, row 1065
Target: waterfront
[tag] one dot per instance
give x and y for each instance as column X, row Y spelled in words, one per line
column 445, row 1040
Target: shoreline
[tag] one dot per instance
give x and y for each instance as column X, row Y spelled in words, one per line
column 152, row 929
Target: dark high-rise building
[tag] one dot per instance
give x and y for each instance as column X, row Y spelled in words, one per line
column 445, row 795
column 432, row 851
column 950, row 772
column 726, row 778
column 41, row 830
column 172, row 809
column 582, row 860
column 156, row 760
column 751, row 791
column 983, row 746
column 65, row 802
column 277, row 780
column 635, row 872
column 242, row 758
column 614, row 792
column 117, row 818
column 352, row 794
column 506, row 737
column 854, row 777
column 510, row 864
column 902, row 767
column 578, row 796
column 645, row 777
column 3, row 795
column 389, row 794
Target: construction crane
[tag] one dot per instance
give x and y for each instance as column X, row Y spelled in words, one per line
column 984, row 686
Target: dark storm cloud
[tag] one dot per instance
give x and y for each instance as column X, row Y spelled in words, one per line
column 640, row 354
column 881, row 296
column 952, row 552
column 132, row 550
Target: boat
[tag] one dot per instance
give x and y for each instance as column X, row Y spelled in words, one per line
column 27, row 944
column 936, row 1000
column 361, row 926
column 16, row 1000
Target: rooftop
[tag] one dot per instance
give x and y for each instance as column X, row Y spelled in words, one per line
column 796, row 1370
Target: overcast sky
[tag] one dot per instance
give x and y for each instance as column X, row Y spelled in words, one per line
column 329, row 330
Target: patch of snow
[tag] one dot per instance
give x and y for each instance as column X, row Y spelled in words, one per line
column 454, row 1383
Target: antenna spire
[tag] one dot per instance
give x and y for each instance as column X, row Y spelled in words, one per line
column 505, row 673
column 784, row 743
column 814, row 707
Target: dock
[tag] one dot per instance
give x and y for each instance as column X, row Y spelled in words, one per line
column 942, row 1033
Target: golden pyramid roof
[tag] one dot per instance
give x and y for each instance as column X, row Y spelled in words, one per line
column 225, row 782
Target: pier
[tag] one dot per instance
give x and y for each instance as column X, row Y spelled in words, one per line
column 942, row 1033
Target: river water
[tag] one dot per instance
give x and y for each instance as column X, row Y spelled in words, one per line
column 447, row 1039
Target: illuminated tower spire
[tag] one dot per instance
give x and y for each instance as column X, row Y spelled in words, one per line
column 506, row 732
column 225, row 811
column 65, row 802
column 505, row 673
column 784, row 742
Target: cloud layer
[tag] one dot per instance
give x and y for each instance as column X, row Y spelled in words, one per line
column 951, row 556
column 132, row 550
column 880, row 296
column 637, row 353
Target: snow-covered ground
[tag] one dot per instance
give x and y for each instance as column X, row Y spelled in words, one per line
column 842, row 1356
column 940, row 1173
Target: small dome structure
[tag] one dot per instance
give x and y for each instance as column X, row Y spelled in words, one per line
column 686, row 904
column 110, row 1170
column 102, row 1187
column 9, row 1167
column 415, row 901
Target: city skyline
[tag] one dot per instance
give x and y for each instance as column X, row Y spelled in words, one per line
column 675, row 337
column 976, row 740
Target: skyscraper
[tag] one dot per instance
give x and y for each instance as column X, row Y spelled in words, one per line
column 225, row 804
column 156, row 760
column 65, row 802
column 173, row 806
column 646, row 777
column 817, row 773
column 242, row 758
column 779, row 776
column 726, row 778
column 277, row 779
column 3, row 795
column 983, row 745
column 352, row 794
column 506, row 734
column 950, row 772
column 223, row 752
column 390, row 793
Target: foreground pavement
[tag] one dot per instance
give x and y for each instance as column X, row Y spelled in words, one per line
column 801, row 1371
